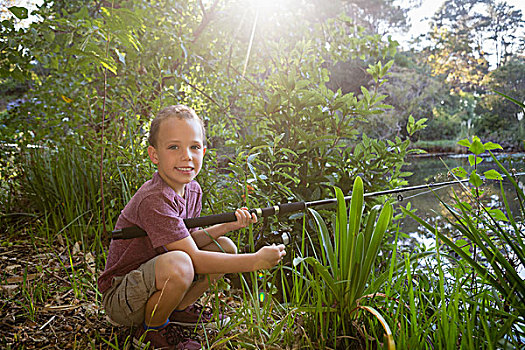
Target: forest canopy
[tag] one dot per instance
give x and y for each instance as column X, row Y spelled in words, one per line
column 210, row 52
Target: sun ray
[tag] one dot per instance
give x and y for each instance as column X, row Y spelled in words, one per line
column 251, row 41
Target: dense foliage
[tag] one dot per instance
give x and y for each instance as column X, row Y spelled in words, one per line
column 298, row 97
column 98, row 74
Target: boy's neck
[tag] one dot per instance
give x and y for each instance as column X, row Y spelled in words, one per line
column 179, row 192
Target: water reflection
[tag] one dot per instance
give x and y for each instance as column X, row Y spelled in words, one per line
column 429, row 207
column 435, row 169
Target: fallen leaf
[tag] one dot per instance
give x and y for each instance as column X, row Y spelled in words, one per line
column 12, row 267
column 76, row 248
column 44, row 255
column 60, row 307
column 10, row 289
column 17, row 279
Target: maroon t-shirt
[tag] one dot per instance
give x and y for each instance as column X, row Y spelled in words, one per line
column 159, row 211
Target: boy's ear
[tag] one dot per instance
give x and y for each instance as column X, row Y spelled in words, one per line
column 152, row 152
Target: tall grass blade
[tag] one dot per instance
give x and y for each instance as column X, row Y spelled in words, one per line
column 370, row 224
column 391, row 345
column 328, row 249
column 356, row 207
column 357, row 278
column 499, row 263
column 343, row 239
column 348, row 258
column 411, row 298
column 323, row 272
column 511, row 217
column 520, row 193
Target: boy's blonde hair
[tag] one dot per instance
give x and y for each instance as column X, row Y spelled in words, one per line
column 174, row 111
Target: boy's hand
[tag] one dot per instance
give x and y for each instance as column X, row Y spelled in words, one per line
column 244, row 219
column 269, row 256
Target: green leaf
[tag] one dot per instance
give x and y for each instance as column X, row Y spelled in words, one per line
column 464, row 142
column 464, row 245
column 49, row 36
column 475, row 179
column 370, row 222
column 323, row 273
column 109, row 66
column 473, row 160
column 366, row 94
column 491, row 145
column 19, row 12
column 421, row 121
column 463, row 206
column 105, row 11
column 358, row 278
column 459, row 172
column 498, row 215
column 356, row 206
column 328, row 251
column 476, row 147
column 522, row 105
column 344, row 240
column 359, row 249
column 492, row 175
column 385, row 218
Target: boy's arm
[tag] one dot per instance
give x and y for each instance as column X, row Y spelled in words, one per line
column 206, row 262
column 244, row 219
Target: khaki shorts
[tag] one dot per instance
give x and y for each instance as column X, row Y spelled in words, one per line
column 125, row 301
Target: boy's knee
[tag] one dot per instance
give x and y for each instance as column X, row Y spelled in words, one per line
column 227, row 245
column 175, row 267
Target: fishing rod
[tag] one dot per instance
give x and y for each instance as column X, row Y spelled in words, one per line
column 135, row 232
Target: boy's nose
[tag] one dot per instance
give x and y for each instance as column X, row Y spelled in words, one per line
column 186, row 154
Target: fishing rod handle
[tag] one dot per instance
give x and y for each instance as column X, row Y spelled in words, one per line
column 230, row 217
column 134, row 232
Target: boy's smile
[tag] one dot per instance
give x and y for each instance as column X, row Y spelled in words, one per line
column 179, row 152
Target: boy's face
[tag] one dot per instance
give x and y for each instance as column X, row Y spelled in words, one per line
column 179, row 152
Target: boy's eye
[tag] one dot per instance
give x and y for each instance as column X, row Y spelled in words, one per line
column 196, row 147
column 173, row 147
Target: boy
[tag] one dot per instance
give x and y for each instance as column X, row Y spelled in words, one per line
column 149, row 281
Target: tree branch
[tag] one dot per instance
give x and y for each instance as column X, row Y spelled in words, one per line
column 207, row 16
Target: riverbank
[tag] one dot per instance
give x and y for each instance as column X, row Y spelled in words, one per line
column 447, row 147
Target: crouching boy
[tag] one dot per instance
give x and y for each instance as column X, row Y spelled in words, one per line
column 151, row 282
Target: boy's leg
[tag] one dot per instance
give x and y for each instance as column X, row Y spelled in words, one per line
column 203, row 283
column 173, row 277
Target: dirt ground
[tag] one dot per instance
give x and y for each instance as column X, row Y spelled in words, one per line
column 40, row 303
column 49, row 300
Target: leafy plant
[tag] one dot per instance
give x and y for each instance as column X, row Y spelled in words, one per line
column 488, row 240
column 340, row 276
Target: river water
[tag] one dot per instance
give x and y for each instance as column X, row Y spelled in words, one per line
column 434, row 169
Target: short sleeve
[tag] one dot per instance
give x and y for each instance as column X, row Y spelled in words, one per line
column 161, row 219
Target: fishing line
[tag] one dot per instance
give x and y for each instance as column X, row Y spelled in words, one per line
column 203, row 221
column 422, row 193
